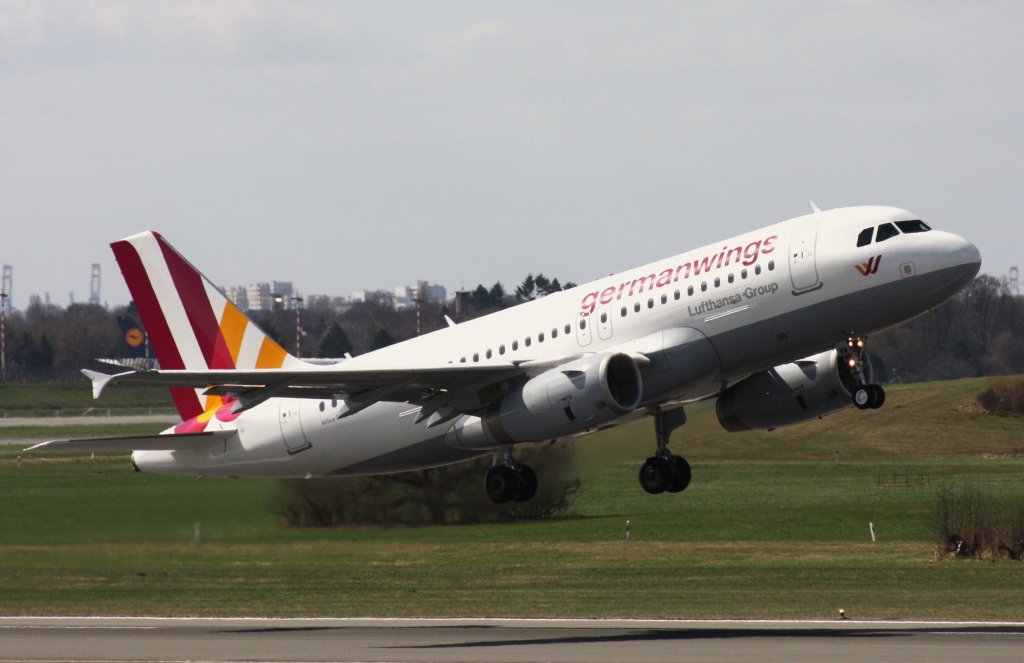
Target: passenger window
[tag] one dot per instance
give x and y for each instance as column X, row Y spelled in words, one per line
column 623, row 312
column 554, row 332
column 604, row 318
column 583, row 323
column 540, row 337
column 636, row 307
column 515, row 345
column 864, row 238
column 718, row 282
column 731, row 278
column 476, row 356
column 650, row 303
column 704, row 286
column 689, row 291
column 771, row 265
column 885, row 231
column 916, row 226
column 743, row 274
column 501, row 349
column 462, row 360
column 488, row 354
column 528, row 341
column 678, row 295
column 664, row 299
column 568, row 329
column 757, row 270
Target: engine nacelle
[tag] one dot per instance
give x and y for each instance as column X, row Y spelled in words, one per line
column 575, row 396
column 788, row 394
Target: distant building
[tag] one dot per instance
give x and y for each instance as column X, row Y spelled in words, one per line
column 405, row 296
column 262, row 296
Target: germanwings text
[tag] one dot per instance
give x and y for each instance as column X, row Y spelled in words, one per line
column 744, row 255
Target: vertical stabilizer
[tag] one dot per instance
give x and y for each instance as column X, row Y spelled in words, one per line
column 191, row 324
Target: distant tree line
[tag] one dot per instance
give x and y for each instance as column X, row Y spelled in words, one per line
column 978, row 332
column 47, row 342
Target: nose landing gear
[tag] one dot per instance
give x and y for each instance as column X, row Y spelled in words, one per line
column 865, row 396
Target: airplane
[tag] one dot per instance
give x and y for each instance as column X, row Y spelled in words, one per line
column 771, row 322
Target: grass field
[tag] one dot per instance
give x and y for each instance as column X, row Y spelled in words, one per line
column 771, row 526
column 74, row 399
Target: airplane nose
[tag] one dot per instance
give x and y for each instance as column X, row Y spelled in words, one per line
column 966, row 254
column 960, row 257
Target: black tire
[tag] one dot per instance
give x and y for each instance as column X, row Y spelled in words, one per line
column 862, row 397
column 877, row 396
column 501, row 484
column 527, row 484
column 656, row 475
column 681, row 474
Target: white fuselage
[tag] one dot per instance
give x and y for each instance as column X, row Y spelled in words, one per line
column 748, row 303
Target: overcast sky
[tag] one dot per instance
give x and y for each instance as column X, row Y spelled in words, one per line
column 365, row 145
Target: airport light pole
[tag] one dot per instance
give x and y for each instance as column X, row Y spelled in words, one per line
column 298, row 326
column 3, row 336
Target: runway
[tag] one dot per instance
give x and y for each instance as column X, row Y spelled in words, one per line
column 429, row 640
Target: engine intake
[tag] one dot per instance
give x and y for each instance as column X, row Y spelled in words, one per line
column 578, row 395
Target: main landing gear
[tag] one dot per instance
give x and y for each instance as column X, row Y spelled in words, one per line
column 865, row 396
column 665, row 472
column 511, row 481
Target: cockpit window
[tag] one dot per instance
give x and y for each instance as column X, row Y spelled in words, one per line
column 915, row 226
column 864, row 238
column 885, row 231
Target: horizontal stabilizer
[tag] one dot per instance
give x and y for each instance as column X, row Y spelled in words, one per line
column 178, row 442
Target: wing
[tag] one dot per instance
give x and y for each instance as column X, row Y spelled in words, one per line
column 452, row 387
column 178, row 442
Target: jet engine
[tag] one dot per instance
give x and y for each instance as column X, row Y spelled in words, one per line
column 788, row 394
column 575, row 396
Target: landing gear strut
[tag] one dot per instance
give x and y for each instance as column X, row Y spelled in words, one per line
column 511, row 481
column 665, row 472
column 865, row 396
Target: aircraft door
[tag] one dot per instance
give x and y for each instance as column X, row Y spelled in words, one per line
column 803, row 269
column 604, row 323
column 583, row 329
column 291, row 425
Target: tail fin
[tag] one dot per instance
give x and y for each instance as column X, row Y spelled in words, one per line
column 191, row 323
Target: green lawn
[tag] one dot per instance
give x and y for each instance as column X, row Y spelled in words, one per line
column 772, row 526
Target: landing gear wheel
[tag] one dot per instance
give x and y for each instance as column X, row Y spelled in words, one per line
column 501, row 484
column 869, row 397
column 527, row 484
column 656, row 475
column 862, row 397
column 681, row 474
column 877, row 396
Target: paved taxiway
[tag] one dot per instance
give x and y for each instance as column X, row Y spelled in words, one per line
column 590, row 641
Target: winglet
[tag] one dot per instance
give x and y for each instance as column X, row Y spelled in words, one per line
column 101, row 380
column 814, row 208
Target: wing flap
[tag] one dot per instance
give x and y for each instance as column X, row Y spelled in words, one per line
column 178, row 442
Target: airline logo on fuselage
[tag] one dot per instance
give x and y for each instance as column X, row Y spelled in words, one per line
column 629, row 287
column 870, row 267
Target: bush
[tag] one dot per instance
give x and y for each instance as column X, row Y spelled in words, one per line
column 1005, row 398
column 452, row 494
column 969, row 523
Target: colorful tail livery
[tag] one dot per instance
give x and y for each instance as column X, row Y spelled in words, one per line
column 191, row 324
